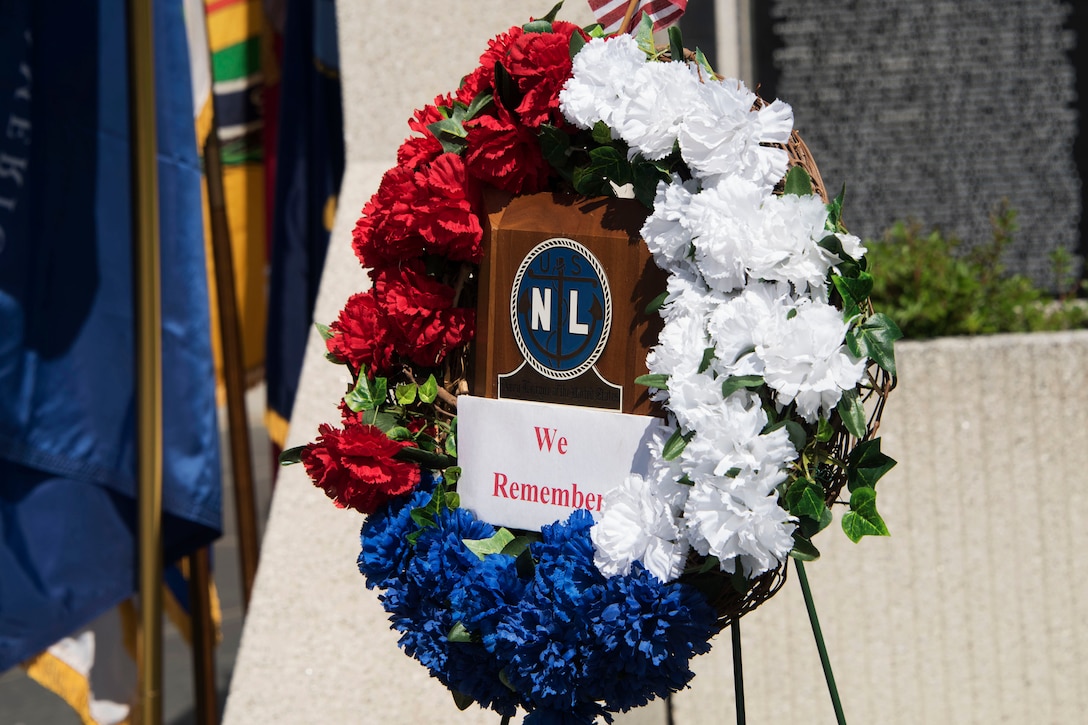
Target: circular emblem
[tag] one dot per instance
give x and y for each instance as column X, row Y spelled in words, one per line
column 560, row 308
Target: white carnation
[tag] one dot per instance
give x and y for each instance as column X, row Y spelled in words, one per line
column 806, row 362
column 724, row 222
column 721, row 136
column 738, row 325
column 601, row 73
column 649, row 119
column 785, row 243
column 739, row 520
column 666, row 232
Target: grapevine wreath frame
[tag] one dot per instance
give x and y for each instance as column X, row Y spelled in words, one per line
column 584, row 619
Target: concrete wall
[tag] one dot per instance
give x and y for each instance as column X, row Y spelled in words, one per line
column 969, row 613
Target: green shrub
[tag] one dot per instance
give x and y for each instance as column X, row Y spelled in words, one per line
column 932, row 287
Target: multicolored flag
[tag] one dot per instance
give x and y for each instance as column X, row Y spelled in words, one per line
column 610, row 13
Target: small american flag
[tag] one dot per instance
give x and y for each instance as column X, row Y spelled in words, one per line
column 610, row 13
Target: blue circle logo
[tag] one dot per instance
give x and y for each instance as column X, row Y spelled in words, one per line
column 560, row 308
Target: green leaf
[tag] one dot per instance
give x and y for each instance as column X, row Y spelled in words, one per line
column 589, row 184
column 654, row 380
column 738, row 382
column 537, row 26
column 518, row 544
column 676, row 44
column 874, row 338
column 384, row 422
column 848, row 267
column 458, row 633
column 796, row 432
column 834, row 211
column 491, row 545
column 451, row 134
column 810, row 527
column 824, row 430
column 803, row 549
column 607, row 162
column 854, row 292
column 324, row 331
column 399, row 433
column 406, row 393
column 708, row 357
column 554, row 13
column 798, row 182
column 805, row 498
column 367, row 393
column 506, row 88
column 577, row 42
column 428, row 392
column 601, row 133
column 852, row 413
column 453, row 500
column 676, row 444
column 433, row 461
column 555, row 145
column 863, row 519
column 645, row 35
column 700, row 58
column 482, row 100
column 291, row 455
column 657, row 302
column 645, row 176
column 525, row 565
column 451, row 445
column 866, row 465
column 453, row 475
column 462, row 700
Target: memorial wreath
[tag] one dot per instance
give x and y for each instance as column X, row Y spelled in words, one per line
column 770, row 372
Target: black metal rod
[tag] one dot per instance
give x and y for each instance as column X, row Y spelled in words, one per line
column 738, row 671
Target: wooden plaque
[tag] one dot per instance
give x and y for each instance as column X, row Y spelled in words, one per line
column 564, row 285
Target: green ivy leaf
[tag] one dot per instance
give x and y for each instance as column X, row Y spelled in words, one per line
column 482, row 100
column 491, row 545
column 383, row 421
column 738, row 382
column 462, row 700
column 324, row 331
column 399, row 433
column 874, row 338
column 676, row 444
column 852, row 413
column 458, row 633
column 863, row 519
column 406, row 393
column 645, row 176
column 657, row 302
column 645, row 35
column 708, row 357
column 577, row 42
column 798, row 182
column 607, row 162
column 848, row 267
column 367, row 394
column 453, row 475
column 654, row 380
column 676, row 43
column 451, row 134
column 811, row 527
column 537, row 26
column 601, row 133
column 805, row 498
column 291, row 455
column 451, row 445
column 866, row 465
column 803, row 549
column 428, row 391
column 554, row 145
column 824, row 430
column 554, row 13
column 854, row 292
column 834, row 212
column 589, row 184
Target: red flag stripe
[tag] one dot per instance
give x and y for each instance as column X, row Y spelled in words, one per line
column 609, row 13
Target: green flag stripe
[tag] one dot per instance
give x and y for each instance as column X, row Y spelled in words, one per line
column 237, row 61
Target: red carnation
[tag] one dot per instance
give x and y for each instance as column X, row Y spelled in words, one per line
column 444, row 204
column 386, row 232
column 540, row 63
column 505, row 155
column 356, row 468
column 421, row 314
column 483, row 78
column 417, row 151
column 361, row 335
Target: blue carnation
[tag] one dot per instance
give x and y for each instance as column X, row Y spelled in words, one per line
column 385, row 546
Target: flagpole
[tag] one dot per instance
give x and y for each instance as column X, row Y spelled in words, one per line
column 148, row 312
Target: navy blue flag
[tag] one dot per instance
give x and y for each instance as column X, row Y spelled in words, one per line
column 310, row 164
column 67, row 372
